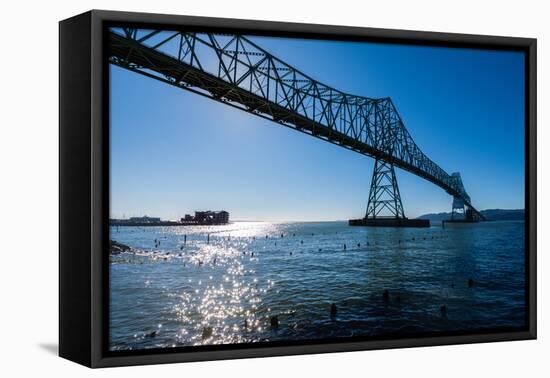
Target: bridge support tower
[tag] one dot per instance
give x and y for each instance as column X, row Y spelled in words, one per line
column 461, row 213
column 385, row 208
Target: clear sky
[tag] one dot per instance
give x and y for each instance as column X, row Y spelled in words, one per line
column 174, row 152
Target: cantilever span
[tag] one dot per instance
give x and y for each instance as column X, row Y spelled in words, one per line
column 236, row 71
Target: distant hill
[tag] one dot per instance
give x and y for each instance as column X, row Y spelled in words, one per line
column 490, row 214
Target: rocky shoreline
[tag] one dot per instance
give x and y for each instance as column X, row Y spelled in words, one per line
column 116, row 248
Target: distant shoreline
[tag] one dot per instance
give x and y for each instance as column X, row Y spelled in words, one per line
column 489, row 214
column 176, row 224
column 163, row 224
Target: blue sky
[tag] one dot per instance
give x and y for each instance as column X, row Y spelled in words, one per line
column 174, row 152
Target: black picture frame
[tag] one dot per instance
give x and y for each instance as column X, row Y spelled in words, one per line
column 84, row 187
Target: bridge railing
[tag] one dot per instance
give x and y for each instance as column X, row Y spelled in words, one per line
column 248, row 72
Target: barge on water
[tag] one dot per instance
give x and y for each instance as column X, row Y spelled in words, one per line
column 459, row 221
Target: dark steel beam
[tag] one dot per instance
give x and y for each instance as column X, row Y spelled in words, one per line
column 235, row 71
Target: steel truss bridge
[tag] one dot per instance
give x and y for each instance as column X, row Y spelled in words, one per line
column 236, row 71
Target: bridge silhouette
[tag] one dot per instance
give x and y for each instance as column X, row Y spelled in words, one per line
column 236, row 71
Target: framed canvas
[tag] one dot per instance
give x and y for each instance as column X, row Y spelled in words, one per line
column 235, row 188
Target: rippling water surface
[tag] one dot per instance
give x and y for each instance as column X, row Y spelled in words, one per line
column 228, row 288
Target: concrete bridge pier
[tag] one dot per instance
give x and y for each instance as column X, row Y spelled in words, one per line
column 461, row 213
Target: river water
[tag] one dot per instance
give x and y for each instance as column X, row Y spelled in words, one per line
column 225, row 284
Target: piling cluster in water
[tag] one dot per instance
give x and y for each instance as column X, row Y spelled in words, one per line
column 274, row 321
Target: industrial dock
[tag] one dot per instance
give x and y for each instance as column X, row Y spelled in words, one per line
column 201, row 218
